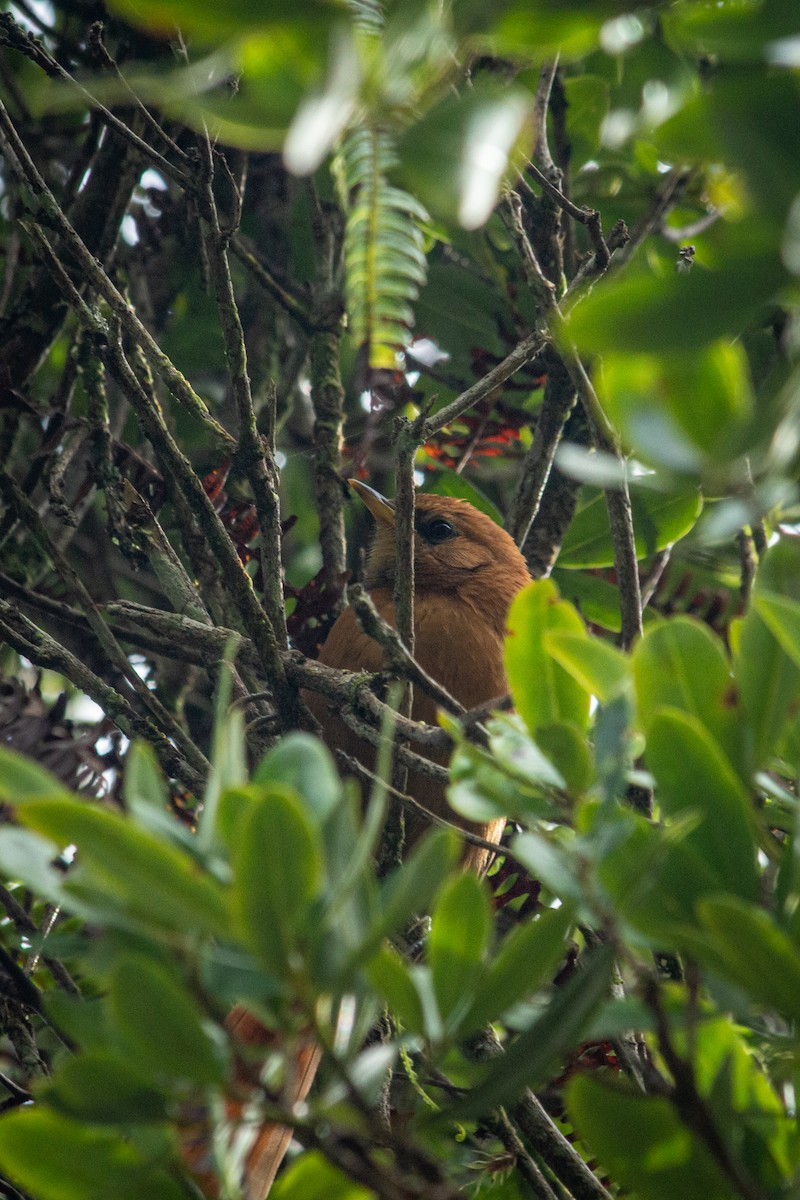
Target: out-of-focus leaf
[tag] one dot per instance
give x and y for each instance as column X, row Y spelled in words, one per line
column 659, row 402
column 159, row 1025
column 391, row 976
column 659, row 519
column 104, row 1088
column 767, row 673
column 456, row 156
column 733, row 33
column 588, row 98
column 543, row 691
column 213, row 23
column 21, row 779
column 447, row 483
column 682, row 313
column 694, row 776
column 532, row 1055
column 154, row 881
column 755, row 952
column 527, row 960
column 551, row 864
column 56, row 1158
column 278, row 872
column 681, row 664
column 597, row 665
column 540, row 30
column 311, row 1176
column 302, row 763
column 642, row 1142
column 458, row 939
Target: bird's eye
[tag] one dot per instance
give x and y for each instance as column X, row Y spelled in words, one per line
column 438, row 530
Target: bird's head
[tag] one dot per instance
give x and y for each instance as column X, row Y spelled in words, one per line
column 457, row 549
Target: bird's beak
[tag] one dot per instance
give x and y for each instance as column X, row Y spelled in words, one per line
column 381, row 508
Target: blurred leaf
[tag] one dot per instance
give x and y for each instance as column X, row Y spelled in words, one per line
column 659, row 403
column 735, row 32
column 642, row 1142
column 155, row 882
column 598, row 666
column 56, row 1158
column 447, row 483
column 526, row 961
column 532, row 1056
column 303, row 763
column 659, row 519
column 391, row 977
column 588, row 99
column 549, row 863
column 311, row 1177
column 693, row 776
column 456, row 156
column 682, row 664
column 457, row 943
column 755, row 952
column 212, row 23
column 26, row 857
column 22, row 780
column 278, row 872
column 681, row 313
column 104, row 1088
column 543, row 691
column 159, row 1025
column 767, row 675
column 409, row 890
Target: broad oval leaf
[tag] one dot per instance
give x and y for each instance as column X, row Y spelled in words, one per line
column 659, row 519
column 459, row 936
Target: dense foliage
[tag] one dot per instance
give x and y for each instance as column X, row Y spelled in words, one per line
column 542, row 256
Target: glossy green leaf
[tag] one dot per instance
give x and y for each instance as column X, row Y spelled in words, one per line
column 56, row 1158
column 457, row 943
column 550, row 863
column 543, row 692
column 302, row 763
column 311, row 1177
column 526, row 961
column 659, row 519
column 598, row 666
column 755, row 952
column 694, row 776
column 447, row 483
column 682, row 664
column 104, row 1088
column 159, row 1025
column 642, row 1142
column 278, row 872
column 153, row 881
column 531, row 1057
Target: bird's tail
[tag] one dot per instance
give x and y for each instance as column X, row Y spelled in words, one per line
column 259, row 1146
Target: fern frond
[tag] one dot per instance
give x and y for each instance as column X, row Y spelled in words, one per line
column 385, row 264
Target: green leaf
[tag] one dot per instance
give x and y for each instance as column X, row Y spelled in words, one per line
column 26, row 857
column 682, row 664
column 277, row 875
column 543, row 692
column 456, row 156
column 311, row 1177
column 652, row 400
column 156, row 883
column 391, row 977
column 213, row 23
column 588, row 99
column 642, row 1142
column 409, row 890
column 681, row 313
column 459, row 936
column 159, row 1026
column 447, row 483
column 385, row 263
column 533, row 1055
column 754, row 952
column 597, row 666
column 659, row 519
column 767, row 673
column 551, row 864
column 526, row 961
column 694, row 776
column 56, row 1158
column 105, row 1088
column 303, row 763
column 22, row 780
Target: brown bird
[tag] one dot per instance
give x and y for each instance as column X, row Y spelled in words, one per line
column 467, row 571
